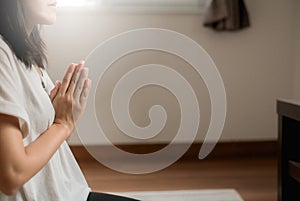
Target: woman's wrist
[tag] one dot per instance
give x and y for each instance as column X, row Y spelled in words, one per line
column 65, row 129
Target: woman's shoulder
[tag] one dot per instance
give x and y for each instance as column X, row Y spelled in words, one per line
column 7, row 57
column 4, row 47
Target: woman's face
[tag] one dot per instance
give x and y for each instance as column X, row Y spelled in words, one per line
column 39, row 11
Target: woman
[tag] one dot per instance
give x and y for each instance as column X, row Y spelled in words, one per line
column 37, row 117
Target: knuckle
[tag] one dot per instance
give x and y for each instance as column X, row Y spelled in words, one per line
column 69, row 98
column 65, row 79
column 59, row 95
column 79, row 88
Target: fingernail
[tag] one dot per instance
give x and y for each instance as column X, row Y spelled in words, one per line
column 86, row 70
column 71, row 68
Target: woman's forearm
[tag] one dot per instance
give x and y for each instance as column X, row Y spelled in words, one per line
column 22, row 163
column 39, row 152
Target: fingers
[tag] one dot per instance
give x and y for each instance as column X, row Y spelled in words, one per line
column 85, row 92
column 80, row 83
column 74, row 78
column 67, row 78
column 75, row 84
column 69, row 81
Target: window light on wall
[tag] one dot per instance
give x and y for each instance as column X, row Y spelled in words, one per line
column 189, row 6
column 75, row 3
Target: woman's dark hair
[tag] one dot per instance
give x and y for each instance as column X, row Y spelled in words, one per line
column 30, row 49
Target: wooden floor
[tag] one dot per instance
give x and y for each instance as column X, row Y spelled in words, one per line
column 255, row 178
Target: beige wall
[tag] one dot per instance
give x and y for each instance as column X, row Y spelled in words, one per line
column 297, row 53
column 257, row 65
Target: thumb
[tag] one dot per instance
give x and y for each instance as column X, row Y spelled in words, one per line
column 54, row 90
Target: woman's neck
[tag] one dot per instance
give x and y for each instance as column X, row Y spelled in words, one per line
column 29, row 27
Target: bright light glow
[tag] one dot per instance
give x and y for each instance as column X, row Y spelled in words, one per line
column 189, row 6
column 74, row 3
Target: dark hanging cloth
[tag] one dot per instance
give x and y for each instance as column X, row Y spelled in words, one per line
column 224, row 15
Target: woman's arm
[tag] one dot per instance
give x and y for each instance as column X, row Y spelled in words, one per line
column 19, row 163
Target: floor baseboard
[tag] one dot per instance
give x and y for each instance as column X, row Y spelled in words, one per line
column 222, row 149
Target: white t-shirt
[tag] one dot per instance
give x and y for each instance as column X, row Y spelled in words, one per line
column 23, row 95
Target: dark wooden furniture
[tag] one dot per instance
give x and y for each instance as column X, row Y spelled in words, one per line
column 289, row 150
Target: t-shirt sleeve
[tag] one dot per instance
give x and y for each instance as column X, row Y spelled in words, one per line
column 11, row 100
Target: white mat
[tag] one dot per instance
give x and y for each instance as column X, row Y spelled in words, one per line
column 185, row 195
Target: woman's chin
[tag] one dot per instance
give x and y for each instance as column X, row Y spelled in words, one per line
column 49, row 21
